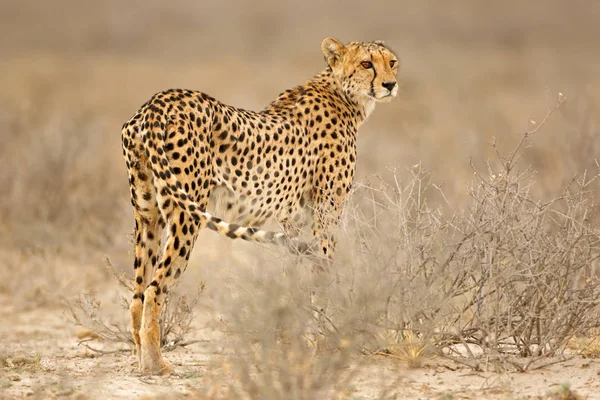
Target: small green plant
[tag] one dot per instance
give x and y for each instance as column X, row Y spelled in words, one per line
column 563, row 392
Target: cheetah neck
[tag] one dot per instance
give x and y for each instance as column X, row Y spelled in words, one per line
column 367, row 105
column 323, row 86
column 360, row 106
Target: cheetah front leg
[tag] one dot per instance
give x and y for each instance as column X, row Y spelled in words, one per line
column 326, row 217
column 325, row 220
column 182, row 232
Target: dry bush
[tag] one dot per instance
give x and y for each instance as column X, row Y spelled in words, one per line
column 87, row 313
column 507, row 281
column 175, row 323
column 273, row 339
column 177, row 317
column 527, row 284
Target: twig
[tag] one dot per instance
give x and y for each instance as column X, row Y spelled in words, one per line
column 124, row 280
column 473, row 365
column 85, row 344
column 173, row 346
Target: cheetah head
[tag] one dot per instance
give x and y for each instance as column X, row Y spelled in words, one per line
column 366, row 71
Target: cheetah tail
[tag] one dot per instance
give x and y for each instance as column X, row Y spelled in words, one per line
column 171, row 185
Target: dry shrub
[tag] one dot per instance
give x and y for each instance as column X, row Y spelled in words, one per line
column 507, row 281
column 272, row 335
column 87, row 313
column 175, row 323
column 177, row 317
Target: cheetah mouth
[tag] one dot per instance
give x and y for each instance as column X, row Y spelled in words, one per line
column 384, row 98
column 378, row 97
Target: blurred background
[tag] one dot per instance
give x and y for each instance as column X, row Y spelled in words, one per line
column 72, row 72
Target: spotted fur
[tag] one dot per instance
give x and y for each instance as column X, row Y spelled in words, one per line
column 184, row 150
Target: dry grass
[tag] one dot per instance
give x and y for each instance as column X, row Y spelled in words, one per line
column 272, row 338
column 21, row 361
column 587, row 345
column 407, row 347
column 14, row 364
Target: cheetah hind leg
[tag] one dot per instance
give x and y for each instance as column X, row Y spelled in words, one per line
column 179, row 243
column 147, row 234
column 151, row 360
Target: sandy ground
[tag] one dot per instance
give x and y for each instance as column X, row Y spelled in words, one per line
column 57, row 366
column 42, row 357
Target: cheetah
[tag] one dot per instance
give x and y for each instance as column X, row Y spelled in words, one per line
column 183, row 149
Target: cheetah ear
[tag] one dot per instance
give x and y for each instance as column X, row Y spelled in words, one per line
column 333, row 50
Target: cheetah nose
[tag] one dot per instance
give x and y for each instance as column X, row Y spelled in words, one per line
column 389, row 85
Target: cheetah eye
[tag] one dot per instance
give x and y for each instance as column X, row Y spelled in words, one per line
column 367, row 64
column 393, row 63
